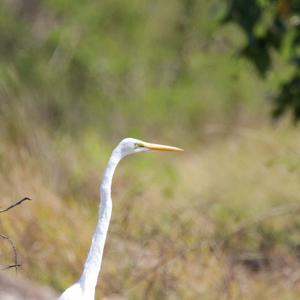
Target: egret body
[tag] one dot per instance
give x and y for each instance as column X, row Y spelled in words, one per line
column 84, row 288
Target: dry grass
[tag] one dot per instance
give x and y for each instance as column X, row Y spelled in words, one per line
column 174, row 228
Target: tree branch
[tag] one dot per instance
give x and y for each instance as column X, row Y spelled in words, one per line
column 10, row 266
column 16, row 264
column 15, row 204
column 13, row 247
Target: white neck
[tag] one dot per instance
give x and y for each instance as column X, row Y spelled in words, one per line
column 89, row 277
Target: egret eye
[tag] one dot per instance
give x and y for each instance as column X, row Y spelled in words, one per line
column 139, row 145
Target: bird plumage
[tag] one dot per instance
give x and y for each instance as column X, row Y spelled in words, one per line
column 84, row 288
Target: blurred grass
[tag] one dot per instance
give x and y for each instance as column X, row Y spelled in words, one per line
column 219, row 221
column 173, row 231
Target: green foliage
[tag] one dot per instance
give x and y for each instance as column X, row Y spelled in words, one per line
column 140, row 68
column 272, row 26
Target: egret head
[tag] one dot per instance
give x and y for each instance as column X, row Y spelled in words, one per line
column 130, row 146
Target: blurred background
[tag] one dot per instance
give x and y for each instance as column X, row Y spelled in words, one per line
column 217, row 78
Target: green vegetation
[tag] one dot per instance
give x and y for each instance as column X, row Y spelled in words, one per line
column 219, row 221
column 272, row 30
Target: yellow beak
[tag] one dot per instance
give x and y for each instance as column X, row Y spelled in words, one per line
column 161, row 147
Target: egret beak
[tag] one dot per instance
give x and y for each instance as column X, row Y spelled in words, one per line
column 159, row 147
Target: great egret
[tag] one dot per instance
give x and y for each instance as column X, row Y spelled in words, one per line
column 84, row 288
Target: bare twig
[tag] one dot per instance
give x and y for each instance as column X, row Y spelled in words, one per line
column 16, row 264
column 13, row 247
column 10, row 266
column 15, row 204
